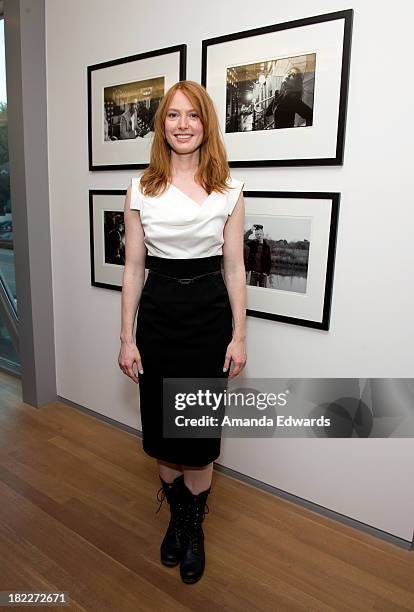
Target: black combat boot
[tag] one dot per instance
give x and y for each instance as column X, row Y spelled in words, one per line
column 193, row 558
column 171, row 547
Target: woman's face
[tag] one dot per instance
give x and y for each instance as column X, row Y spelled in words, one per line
column 183, row 127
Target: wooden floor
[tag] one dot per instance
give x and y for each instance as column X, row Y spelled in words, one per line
column 77, row 514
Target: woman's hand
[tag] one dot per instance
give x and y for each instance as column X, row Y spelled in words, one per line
column 128, row 355
column 236, row 353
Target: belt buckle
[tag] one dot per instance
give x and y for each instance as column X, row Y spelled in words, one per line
column 185, row 281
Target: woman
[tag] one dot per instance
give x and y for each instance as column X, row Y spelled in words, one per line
column 182, row 218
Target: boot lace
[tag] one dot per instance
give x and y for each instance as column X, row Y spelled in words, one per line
column 192, row 527
column 177, row 510
column 160, row 498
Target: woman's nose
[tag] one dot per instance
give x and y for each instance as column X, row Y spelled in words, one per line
column 183, row 122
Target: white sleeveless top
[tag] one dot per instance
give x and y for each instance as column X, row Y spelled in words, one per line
column 175, row 226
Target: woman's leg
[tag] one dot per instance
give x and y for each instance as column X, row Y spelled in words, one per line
column 169, row 471
column 198, row 479
column 172, row 485
column 197, row 482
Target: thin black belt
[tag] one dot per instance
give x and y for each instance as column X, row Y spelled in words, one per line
column 186, row 281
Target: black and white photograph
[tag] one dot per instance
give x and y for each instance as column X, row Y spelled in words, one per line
column 270, row 95
column 107, row 237
column 276, row 252
column 281, row 90
column 129, row 109
column 114, row 237
column 289, row 255
column 123, row 97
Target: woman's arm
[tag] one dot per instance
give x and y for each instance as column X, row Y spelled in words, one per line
column 132, row 283
column 235, row 277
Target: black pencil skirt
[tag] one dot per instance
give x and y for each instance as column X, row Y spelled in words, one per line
column 183, row 330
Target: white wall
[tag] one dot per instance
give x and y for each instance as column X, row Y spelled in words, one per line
column 371, row 331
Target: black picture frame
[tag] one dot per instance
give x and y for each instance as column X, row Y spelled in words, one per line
column 92, row 70
column 327, row 160
column 331, row 229
column 97, row 241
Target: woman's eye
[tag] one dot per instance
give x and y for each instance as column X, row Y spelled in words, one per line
column 174, row 115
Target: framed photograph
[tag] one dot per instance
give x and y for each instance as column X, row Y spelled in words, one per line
column 107, row 237
column 289, row 253
column 281, row 91
column 123, row 95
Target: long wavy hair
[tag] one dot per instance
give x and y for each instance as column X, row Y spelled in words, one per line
column 213, row 170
